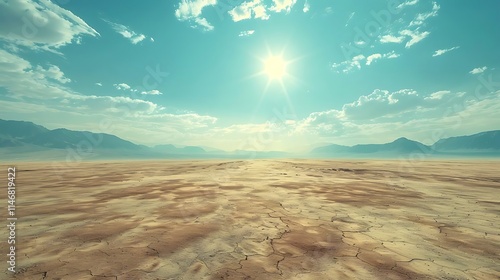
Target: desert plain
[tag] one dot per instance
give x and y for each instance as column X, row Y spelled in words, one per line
column 256, row 219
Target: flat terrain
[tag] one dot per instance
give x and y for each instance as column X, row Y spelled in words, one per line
column 256, row 219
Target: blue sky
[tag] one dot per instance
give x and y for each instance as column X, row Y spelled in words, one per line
column 261, row 74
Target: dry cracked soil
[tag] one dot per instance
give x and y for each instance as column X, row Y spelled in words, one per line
column 257, row 219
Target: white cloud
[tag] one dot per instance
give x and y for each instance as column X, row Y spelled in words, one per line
column 376, row 118
column 191, row 10
column 443, row 51
column 137, row 39
column 391, row 55
column 260, row 12
column 122, row 86
column 380, row 109
column 349, row 65
column 372, row 57
column 53, row 72
column 349, row 19
column 248, row 10
column 131, row 124
column 241, row 12
column 382, row 116
column 478, row 70
column 203, row 24
column 356, row 62
column 380, row 103
column 415, row 36
column 40, row 25
column 26, row 83
column 151, row 92
column 113, row 104
column 24, row 80
column 307, row 7
column 438, row 94
column 184, row 121
column 256, row 9
column 391, row 39
column 246, row 33
column 38, row 93
column 283, row 5
column 421, row 18
column 98, row 84
column 333, row 118
column 126, row 32
column 407, row 3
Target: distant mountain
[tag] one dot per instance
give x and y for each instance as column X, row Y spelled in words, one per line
column 10, row 142
column 16, row 133
column 399, row 146
column 187, row 150
column 481, row 144
column 331, row 149
column 168, row 148
column 28, row 141
column 484, row 141
column 211, row 149
column 193, row 150
column 19, row 129
column 63, row 138
column 20, row 139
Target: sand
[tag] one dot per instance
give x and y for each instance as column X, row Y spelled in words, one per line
column 257, row 219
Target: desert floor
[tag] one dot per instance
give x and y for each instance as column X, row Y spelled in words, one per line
column 256, row 219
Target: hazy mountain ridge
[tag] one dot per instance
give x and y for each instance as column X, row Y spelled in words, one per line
column 27, row 134
column 488, row 140
column 21, row 139
column 19, row 130
column 476, row 144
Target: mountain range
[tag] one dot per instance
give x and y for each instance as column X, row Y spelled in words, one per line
column 21, row 140
column 480, row 144
column 28, row 141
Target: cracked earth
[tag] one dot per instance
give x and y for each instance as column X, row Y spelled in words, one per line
column 258, row 219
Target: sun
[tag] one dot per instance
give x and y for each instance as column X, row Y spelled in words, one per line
column 275, row 67
column 278, row 68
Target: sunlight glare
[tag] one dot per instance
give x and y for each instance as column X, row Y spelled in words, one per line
column 275, row 67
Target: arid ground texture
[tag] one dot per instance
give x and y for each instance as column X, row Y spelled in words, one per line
column 257, row 219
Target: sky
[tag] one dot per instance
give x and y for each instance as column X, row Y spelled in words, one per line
column 282, row 75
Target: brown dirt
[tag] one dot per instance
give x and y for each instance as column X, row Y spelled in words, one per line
column 257, row 219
